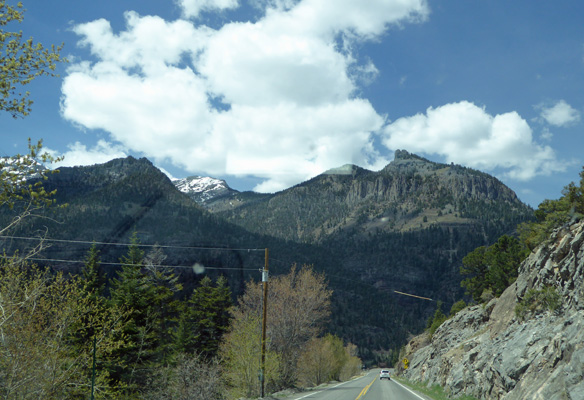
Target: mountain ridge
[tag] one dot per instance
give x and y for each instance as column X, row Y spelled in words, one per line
column 409, row 193
column 333, row 222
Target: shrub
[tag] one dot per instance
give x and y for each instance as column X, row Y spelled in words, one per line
column 457, row 307
column 537, row 301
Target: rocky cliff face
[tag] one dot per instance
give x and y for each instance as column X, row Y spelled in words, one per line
column 410, row 193
column 490, row 353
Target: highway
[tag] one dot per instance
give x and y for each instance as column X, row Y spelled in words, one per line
column 368, row 387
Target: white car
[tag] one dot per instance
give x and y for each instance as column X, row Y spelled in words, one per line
column 384, row 374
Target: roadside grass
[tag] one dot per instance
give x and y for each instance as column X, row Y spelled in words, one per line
column 436, row 392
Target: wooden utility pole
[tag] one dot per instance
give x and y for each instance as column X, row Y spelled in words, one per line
column 264, row 319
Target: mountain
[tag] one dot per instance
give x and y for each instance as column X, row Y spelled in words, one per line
column 215, row 195
column 405, row 228
column 500, row 351
column 19, row 169
column 409, row 194
column 202, row 189
column 106, row 203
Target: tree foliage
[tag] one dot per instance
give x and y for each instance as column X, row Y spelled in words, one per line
column 240, row 354
column 21, row 61
column 204, row 318
column 437, row 319
column 42, row 317
column 552, row 214
column 191, row 377
column 298, row 307
column 147, row 294
column 492, row 269
column 327, row 358
column 21, row 184
column 537, row 301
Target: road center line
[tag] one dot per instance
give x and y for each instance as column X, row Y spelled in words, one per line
column 332, row 387
column 365, row 389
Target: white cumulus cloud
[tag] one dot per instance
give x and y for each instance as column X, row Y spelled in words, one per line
column 192, row 8
column 466, row 134
column 78, row 154
column 274, row 98
column 561, row 114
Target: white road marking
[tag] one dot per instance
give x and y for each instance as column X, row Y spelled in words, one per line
column 332, row 387
column 409, row 390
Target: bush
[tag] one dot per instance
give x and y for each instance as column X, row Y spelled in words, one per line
column 457, row 307
column 537, row 301
column 437, row 320
column 552, row 214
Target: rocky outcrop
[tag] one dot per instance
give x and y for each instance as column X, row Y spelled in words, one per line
column 489, row 353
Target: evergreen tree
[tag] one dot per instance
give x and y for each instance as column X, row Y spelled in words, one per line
column 93, row 282
column 132, row 291
column 97, row 322
column 492, row 269
column 165, row 287
column 437, row 320
column 475, row 266
column 146, row 290
column 504, row 258
column 205, row 318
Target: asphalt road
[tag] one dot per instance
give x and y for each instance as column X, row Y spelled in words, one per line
column 368, row 387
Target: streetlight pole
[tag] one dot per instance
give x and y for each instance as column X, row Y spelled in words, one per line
column 264, row 319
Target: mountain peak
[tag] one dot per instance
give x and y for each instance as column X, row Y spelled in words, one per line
column 202, row 188
column 402, row 155
column 347, row 169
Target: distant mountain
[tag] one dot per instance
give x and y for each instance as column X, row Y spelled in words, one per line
column 404, row 228
column 409, row 194
column 215, row 195
column 12, row 168
column 202, row 189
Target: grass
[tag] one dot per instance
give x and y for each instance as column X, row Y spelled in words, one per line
column 436, row 392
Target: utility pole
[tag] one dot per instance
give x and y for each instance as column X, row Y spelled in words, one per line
column 264, row 318
column 93, row 368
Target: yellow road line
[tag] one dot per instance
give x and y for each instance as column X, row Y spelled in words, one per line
column 365, row 389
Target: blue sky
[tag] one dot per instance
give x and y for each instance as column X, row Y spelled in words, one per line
column 269, row 93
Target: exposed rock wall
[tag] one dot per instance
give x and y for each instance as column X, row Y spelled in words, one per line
column 487, row 352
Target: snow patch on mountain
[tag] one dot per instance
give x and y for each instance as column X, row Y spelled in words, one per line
column 202, row 188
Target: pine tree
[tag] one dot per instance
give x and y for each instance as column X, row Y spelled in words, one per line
column 146, row 290
column 132, row 291
column 97, row 323
column 93, row 281
column 205, row 318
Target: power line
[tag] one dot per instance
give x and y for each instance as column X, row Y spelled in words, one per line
column 359, row 282
column 140, row 265
column 174, row 266
column 130, row 244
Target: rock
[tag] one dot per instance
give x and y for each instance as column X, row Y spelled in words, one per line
column 486, row 352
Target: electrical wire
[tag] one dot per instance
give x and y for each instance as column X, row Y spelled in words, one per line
column 282, row 262
column 129, row 244
column 135, row 265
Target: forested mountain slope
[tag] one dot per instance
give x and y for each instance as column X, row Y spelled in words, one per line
column 409, row 194
column 404, row 228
